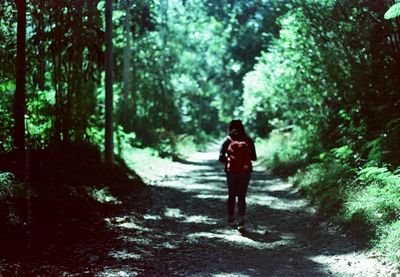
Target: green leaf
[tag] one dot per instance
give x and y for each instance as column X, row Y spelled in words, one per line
column 393, row 12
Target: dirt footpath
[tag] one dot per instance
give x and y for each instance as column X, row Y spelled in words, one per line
column 185, row 233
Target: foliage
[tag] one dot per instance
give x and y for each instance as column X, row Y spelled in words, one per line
column 317, row 79
column 40, row 118
column 390, row 240
column 378, row 198
column 186, row 145
column 178, row 67
column 103, row 195
column 393, row 11
column 5, row 119
column 331, row 73
column 365, row 201
column 6, row 184
column 326, row 184
column 284, row 152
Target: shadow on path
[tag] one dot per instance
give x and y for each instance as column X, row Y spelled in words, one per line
column 185, row 232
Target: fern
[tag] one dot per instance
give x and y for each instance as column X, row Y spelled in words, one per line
column 6, row 182
column 393, row 12
column 378, row 175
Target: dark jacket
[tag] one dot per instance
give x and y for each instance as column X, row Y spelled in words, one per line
column 224, row 148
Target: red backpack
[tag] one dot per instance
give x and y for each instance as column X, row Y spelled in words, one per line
column 238, row 157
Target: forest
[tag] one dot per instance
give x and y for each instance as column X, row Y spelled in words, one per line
column 83, row 82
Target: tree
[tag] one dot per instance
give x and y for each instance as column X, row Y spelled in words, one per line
column 19, row 97
column 109, row 143
column 127, row 55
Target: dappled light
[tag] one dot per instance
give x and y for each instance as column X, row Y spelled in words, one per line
column 125, row 255
column 186, row 233
column 199, row 138
column 245, row 241
column 103, row 195
column 342, row 266
column 200, row 219
column 125, row 222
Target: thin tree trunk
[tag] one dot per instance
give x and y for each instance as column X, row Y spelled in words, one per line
column 109, row 144
column 41, row 48
column 79, row 112
column 165, row 54
column 19, row 97
column 19, row 112
column 127, row 65
column 58, row 96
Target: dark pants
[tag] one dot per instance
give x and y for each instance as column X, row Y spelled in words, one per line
column 237, row 187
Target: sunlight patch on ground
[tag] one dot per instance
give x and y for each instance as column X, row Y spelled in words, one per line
column 137, row 239
column 177, row 213
column 262, row 200
column 181, row 184
column 125, row 222
column 279, row 186
column 344, row 265
column 117, row 273
column 200, row 219
column 168, row 245
column 230, row 275
column 275, row 202
column 132, row 225
column 154, row 170
column 225, row 274
column 233, row 236
column 151, row 217
column 124, row 255
column 211, row 196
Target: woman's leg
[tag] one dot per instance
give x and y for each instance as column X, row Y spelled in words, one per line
column 232, row 181
column 243, row 184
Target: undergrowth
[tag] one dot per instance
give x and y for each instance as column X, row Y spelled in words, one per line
column 64, row 201
column 375, row 203
column 362, row 196
column 284, row 152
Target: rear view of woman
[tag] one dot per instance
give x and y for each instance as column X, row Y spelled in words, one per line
column 237, row 152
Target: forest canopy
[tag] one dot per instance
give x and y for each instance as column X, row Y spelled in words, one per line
column 191, row 66
column 178, row 67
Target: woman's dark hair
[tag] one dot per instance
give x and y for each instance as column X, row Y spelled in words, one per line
column 236, row 127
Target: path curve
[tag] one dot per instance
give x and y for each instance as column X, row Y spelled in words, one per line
column 185, row 234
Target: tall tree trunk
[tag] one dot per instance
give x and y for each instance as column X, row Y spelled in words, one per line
column 19, row 96
column 165, row 54
column 127, row 65
column 41, row 48
column 109, row 144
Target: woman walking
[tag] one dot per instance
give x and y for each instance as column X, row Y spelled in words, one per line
column 236, row 153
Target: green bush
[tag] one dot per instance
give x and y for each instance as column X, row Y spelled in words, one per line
column 285, row 152
column 390, row 240
column 6, row 184
column 11, row 194
column 186, row 145
column 325, row 183
column 40, row 118
column 6, row 121
column 377, row 198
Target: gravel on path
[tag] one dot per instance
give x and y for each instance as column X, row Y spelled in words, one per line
column 185, row 232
